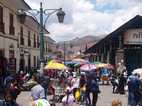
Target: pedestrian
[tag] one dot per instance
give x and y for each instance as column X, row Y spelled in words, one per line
column 83, row 94
column 75, row 85
column 37, row 90
column 37, row 93
column 133, row 90
column 68, row 99
column 45, row 81
column 11, row 93
column 95, row 90
column 88, row 90
column 121, row 86
column 82, row 86
column 121, row 67
column 114, row 82
column 7, row 80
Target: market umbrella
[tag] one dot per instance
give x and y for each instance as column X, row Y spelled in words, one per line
column 101, row 65
column 88, row 67
column 55, row 65
column 80, row 60
column 71, row 62
column 77, row 65
column 109, row 66
column 104, row 65
column 96, row 62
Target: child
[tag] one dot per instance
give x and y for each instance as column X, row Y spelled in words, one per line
column 68, row 99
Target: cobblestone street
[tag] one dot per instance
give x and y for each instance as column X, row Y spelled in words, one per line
column 105, row 98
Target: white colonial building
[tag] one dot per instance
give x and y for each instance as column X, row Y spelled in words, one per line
column 19, row 42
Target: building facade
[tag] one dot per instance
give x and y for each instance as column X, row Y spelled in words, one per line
column 123, row 44
column 50, row 49
column 19, row 42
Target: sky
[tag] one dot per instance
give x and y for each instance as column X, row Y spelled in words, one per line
column 87, row 17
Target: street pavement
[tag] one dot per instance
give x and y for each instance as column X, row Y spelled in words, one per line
column 105, row 97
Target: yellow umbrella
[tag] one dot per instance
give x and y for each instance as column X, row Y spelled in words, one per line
column 55, row 65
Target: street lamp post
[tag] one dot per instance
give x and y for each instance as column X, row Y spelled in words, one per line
column 41, row 35
column 64, row 52
column 41, row 12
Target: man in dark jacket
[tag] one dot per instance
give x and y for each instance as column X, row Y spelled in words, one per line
column 45, row 80
column 95, row 90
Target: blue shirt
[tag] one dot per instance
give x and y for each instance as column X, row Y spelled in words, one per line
column 37, row 92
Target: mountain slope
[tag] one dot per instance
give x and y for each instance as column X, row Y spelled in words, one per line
column 80, row 44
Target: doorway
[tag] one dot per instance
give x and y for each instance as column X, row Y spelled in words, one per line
column 133, row 59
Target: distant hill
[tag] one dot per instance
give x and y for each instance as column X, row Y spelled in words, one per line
column 79, row 44
column 83, row 40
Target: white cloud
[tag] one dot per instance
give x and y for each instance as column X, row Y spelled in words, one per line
column 84, row 18
column 123, row 16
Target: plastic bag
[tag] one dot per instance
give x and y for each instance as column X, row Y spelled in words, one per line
column 77, row 94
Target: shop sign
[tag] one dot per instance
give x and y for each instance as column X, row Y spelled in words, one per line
column 133, row 36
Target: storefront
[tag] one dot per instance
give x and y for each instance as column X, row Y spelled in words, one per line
column 125, row 43
column 133, row 48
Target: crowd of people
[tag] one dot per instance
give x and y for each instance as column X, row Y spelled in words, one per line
column 132, row 84
column 76, row 89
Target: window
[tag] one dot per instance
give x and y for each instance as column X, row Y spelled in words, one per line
column 1, row 20
column 1, row 14
column 34, row 45
column 29, row 38
column 34, row 57
column 11, row 25
column 38, row 62
column 21, row 36
column 38, row 42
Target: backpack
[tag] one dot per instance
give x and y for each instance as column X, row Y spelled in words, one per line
column 77, row 94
